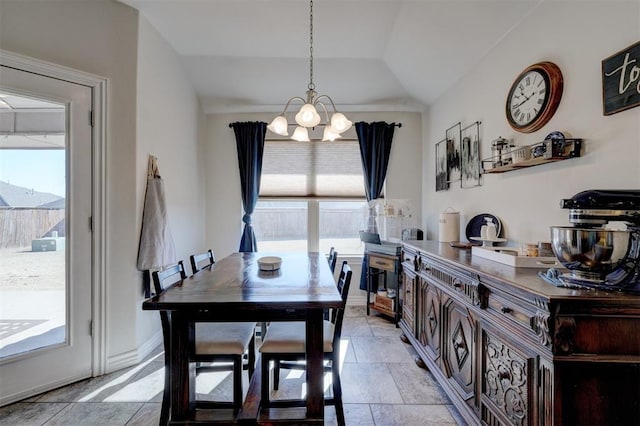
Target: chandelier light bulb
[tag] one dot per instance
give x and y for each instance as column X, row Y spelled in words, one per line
column 279, row 126
column 300, row 134
column 308, row 116
column 339, row 122
column 330, row 134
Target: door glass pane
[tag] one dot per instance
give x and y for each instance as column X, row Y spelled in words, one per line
column 32, row 225
column 340, row 223
column 281, row 225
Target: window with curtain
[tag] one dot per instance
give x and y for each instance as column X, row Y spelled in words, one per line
column 312, row 169
column 311, row 197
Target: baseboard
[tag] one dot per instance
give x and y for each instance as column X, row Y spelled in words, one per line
column 135, row 356
column 150, row 345
column 9, row 399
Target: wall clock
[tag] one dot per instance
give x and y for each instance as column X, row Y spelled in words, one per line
column 534, row 97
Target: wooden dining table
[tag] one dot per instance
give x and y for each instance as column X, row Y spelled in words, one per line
column 236, row 289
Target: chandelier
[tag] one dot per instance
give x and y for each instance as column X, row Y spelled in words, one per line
column 308, row 116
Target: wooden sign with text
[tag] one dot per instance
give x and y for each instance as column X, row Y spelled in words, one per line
column 621, row 80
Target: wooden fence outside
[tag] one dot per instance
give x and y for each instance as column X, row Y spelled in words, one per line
column 18, row 227
column 291, row 223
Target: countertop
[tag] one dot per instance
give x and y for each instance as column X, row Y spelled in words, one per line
column 524, row 278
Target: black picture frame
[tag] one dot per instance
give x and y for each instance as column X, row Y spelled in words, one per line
column 442, row 172
column 470, row 163
column 453, row 138
column 619, row 92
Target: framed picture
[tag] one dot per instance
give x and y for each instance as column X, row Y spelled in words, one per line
column 470, row 156
column 442, row 174
column 620, row 71
column 453, row 136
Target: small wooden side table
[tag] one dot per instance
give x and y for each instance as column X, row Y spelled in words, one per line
column 380, row 264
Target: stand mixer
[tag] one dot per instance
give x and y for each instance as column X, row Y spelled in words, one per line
column 596, row 256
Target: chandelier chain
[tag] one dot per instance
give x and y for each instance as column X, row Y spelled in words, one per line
column 311, row 86
column 308, row 116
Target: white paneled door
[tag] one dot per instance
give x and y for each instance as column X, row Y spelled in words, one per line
column 46, row 236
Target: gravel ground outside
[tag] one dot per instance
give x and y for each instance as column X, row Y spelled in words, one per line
column 22, row 269
column 32, row 299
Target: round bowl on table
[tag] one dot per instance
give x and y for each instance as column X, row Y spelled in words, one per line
column 270, row 263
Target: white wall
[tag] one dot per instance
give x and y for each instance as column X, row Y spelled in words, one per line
column 224, row 204
column 576, row 36
column 101, row 37
column 169, row 122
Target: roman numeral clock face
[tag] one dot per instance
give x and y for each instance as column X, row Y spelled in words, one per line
column 528, row 98
column 534, row 97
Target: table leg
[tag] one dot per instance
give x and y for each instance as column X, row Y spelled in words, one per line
column 369, row 278
column 315, row 373
column 182, row 372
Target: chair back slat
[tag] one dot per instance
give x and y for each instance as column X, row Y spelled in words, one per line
column 332, row 259
column 344, row 282
column 162, row 280
column 341, row 278
column 202, row 260
column 169, row 276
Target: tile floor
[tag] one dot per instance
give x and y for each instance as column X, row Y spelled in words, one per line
column 382, row 386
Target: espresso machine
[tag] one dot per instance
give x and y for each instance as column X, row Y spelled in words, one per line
column 596, row 256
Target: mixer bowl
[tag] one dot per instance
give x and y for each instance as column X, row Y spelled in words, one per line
column 590, row 253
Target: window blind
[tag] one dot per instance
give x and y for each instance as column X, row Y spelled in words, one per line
column 312, row 169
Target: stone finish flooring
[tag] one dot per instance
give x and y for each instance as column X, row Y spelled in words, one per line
column 381, row 386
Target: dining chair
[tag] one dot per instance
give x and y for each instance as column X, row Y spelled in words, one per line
column 332, row 259
column 205, row 260
column 227, row 332
column 202, row 260
column 284, row 344
column 214, row 342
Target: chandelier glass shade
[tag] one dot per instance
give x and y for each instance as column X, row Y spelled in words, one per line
column 308, row 117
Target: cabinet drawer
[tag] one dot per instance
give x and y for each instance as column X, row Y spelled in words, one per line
column 409, row 259
column 382, row 262
column 510, row 310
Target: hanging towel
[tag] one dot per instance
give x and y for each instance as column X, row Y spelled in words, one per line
column 157, row 248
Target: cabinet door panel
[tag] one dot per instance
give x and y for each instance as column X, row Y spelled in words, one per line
column 506, row 381
column 458, row 349
column 429, row 324
column 408, row 298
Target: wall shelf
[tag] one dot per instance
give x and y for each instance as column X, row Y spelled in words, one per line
column 547, row 151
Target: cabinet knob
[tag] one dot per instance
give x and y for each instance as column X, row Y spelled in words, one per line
column 432, row 318
column 457, row 284
column 506, row 310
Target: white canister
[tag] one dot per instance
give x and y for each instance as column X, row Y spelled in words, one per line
column 449, row 226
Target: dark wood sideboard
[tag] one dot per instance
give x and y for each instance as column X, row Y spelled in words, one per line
column 510, row 349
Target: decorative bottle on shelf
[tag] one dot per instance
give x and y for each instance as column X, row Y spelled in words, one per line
column 491, row 232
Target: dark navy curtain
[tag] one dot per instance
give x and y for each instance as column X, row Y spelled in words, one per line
column 250, row 144
column 375, row 148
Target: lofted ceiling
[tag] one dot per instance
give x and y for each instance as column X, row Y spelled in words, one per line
column 369, row 55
